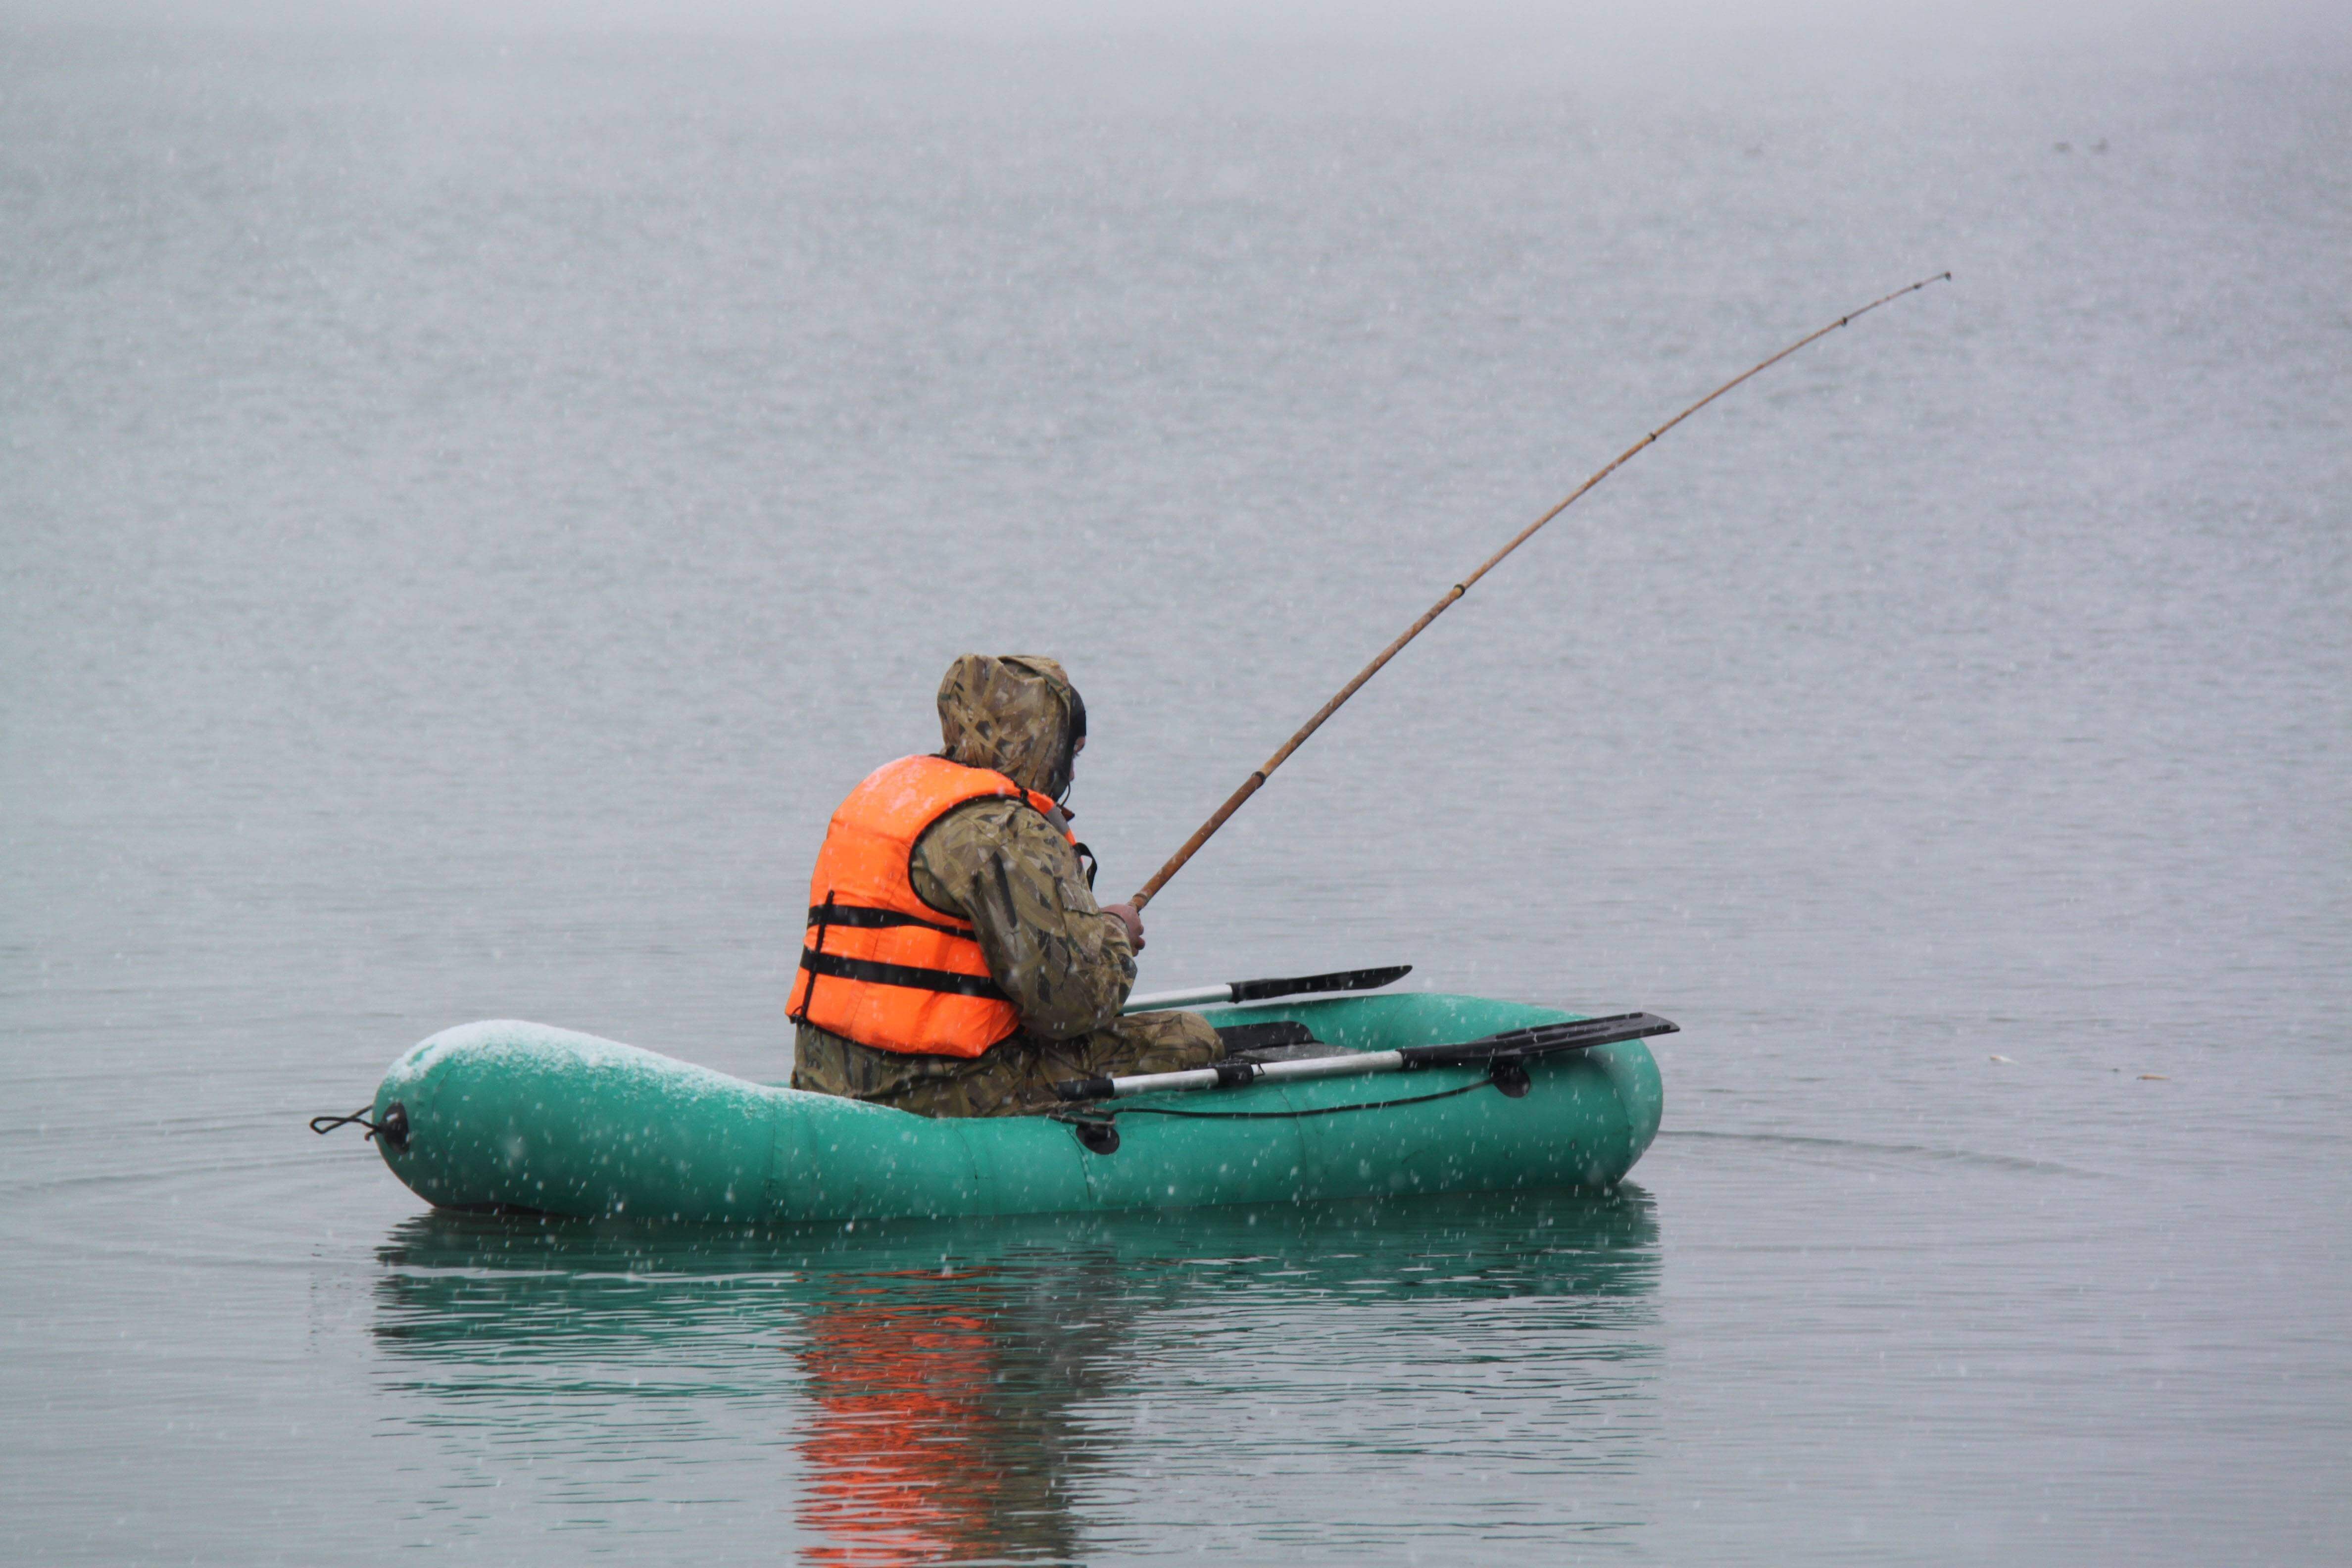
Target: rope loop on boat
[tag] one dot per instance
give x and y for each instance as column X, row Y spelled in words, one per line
column 393, row 1128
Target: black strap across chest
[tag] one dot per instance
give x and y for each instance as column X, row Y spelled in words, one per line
column 866, row 919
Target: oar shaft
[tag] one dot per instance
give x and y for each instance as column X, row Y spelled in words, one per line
column 1540, row 1039
column 1233, row 1075
column 1256, row 781
column 1198, row 995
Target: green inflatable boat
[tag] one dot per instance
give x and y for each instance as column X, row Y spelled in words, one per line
column 514, row 1116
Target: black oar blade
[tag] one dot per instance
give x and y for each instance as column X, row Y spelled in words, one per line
column 1542, row 1040
column 1308, row 985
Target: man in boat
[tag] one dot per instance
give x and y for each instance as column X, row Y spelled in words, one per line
column 955, row 963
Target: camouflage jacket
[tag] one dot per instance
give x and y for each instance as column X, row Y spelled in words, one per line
column 1066, row 965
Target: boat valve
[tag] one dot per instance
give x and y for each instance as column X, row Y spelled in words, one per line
column 1509, row 1075
column 1099, row 1137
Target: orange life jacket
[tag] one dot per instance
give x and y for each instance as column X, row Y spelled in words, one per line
column 879, row 966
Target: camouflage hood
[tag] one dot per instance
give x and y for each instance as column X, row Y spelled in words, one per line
column 1019, row 715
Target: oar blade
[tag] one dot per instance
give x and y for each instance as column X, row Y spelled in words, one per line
column 1311, row 985
column 1543, row 1039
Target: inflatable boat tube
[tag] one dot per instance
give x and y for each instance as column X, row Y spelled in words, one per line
column 513, row 1116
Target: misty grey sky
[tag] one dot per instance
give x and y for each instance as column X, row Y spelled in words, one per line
column 1829, row 25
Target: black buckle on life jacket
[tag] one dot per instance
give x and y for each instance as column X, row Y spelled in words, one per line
column 822, row 918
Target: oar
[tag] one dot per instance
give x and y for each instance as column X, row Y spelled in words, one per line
column 1267, row 989
column 1251, row 784
column 1512, row 1048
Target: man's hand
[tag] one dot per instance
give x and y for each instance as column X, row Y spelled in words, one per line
column 1126, row 915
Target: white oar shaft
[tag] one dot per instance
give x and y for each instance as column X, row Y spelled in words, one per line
column 1194, row 997
column 1352, row 1065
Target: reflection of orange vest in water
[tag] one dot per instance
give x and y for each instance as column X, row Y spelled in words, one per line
column 905, row 1461
column 879, row 966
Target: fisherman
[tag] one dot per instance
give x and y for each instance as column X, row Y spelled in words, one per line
column 955, row 963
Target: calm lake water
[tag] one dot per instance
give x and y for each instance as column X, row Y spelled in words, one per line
column 472, row 500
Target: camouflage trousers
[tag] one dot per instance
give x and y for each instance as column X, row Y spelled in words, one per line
column 1015, row 1078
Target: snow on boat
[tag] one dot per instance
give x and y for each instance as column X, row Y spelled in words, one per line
column 510, row 1115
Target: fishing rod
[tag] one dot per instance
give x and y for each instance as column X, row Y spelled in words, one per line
column 1256, row 781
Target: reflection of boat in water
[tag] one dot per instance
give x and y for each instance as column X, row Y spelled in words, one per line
column 522, row 1116
column 503, row 1276
column 958, row 1390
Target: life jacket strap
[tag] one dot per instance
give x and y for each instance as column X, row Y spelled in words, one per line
column 902, row 974
column 864, row 918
